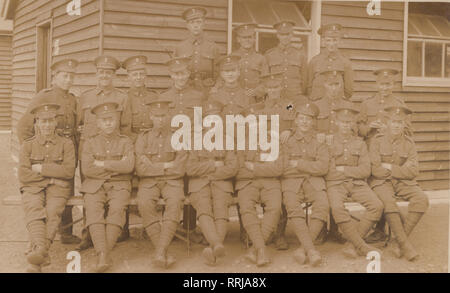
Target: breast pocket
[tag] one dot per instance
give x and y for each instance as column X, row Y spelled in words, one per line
column 275, row 64
column 36, row 157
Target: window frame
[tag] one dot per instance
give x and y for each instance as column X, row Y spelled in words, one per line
column 421, row 81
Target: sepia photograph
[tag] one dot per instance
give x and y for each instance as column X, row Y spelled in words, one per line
column 224, row 136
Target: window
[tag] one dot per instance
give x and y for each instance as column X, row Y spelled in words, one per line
column 43, row 55
column 427, row 53
column 268, row 12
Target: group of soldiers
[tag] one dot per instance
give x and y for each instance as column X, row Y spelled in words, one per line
column 331, row 150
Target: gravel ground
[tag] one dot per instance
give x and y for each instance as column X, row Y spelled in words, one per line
column 430, row 238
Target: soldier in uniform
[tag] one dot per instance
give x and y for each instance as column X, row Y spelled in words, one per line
column 258, row 180
column 231, row 95
column 252, row 64
column 138, row 95
column 203, row 52
column 394, row 168
column 46, row 171
column 372, row 121
column 302, row 182
column 210, row 190
column 329, row 58
column 289, row 60
column 348, row 170
column 108, row 162
column 182, row 95
column 63, row 73
column 161, row 170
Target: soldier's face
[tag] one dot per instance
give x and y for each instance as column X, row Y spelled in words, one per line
column 385, row 87
column 159, row 120
column 195, row 26
column 230, row 75
column 246, row 42
column 331, row 43
column 107, row 123
column 137, row 77
column 46, row 126
column 344, row 125
column 105, row 77
column 284, row 39
column 332, row 88
column 304, row 122
column 273, row 93
column 180, row 78
column 64, row 80
column 396, row 125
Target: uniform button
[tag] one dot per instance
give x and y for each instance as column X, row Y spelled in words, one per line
column 345, row 150
column 107, row 152
column 195, row 52
column 159, row 156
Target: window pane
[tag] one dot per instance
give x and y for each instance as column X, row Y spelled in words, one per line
column 414, row 65
column 423, row 25
column 261, row 11
column 433, row 60
column 240, row 13
column 288, row 11
column 447, row 62
column 441, row 24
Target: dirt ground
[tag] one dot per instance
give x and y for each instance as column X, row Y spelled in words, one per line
column 430, row 238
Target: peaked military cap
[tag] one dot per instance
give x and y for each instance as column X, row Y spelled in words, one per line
column 331, row 75
column 107, row 62
column 247, row 29
column 105, row 108
column 228, row 62
column 48, row 110
column 178, row 63
column 135, row 63
column 346, row 110
column 397, row 109
column 284, row 27
column 387, row 74
column 212, row 107
column 65, row 65
column 193, row 13
column 308, row 109
column 159, row 106
column 332, row 29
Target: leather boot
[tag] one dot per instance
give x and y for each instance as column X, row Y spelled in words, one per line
column 350, row 233
column 300, row 255
column 33, row 269
column 251, row 255
column 314, row 257
column 208, row 256
column 103, row 262
column 262, row 257
column 397, row 228
column 37, row 231
column 168, row 230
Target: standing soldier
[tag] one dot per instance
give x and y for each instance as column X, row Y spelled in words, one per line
column 302, row 182
column 329, row 58
column 108, row 163
column 394, row 167
column 161, row 170
column 348, row 170
column 46, row 171
column 203, row 53
column 86, row 120
column 138, row 95
column 182, row 95
column 258, row 180
column 372, row 121
column 289, row 60
column 252, row 64
column 63, row 73
column 210, row 190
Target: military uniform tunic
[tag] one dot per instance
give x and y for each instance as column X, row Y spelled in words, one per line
column 140, row 118
column 183, row 100
column 204, row 54
column 44, row 195
column 325, row 61
column 110, row 184
column 233, row 100
column 351, row 153
column 153, row 148
column 401, row 181
column 305, row 183
column 293, row 64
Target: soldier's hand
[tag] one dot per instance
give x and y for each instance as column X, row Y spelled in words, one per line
column 36, row 168
column 386, row 166
column 376, row 124
column 249, row 165
column 340, row 168
column 99, row 163
column 218, row 164
column 284, row 136
column 293, row 163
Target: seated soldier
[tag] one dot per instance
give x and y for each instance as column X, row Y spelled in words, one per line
column 107, row 163
column 257, row 180
column 46, row 169
column 394, row 168
column 160, row 169
column 302, row 182
column 210, row 188
column 348, row 170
